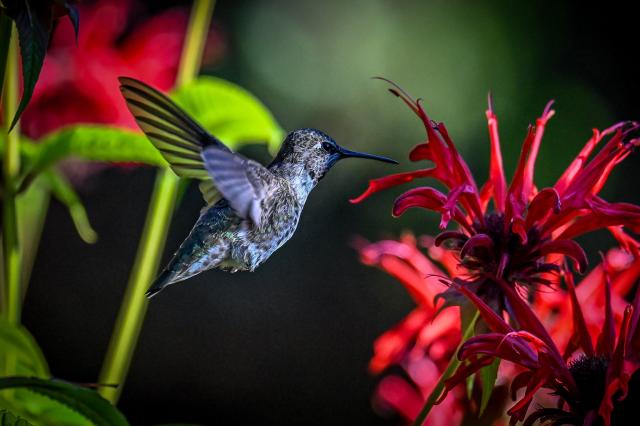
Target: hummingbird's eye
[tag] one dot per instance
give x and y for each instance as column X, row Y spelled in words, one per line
column 328, row 147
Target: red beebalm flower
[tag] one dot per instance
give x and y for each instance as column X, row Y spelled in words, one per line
column 423, row 342
column 596, row 387
column 79, row 84
column 511, row 242
column 554, row 307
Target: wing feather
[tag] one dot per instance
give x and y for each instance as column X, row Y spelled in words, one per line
column 242, row 182
column 177, row 136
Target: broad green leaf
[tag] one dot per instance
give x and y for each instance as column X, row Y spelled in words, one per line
column 229, row 112
column 94, row 143
column 40, row 409
column 84, row 401
column 33, row 25
column 224, row 109
column 8, row 419
column 62, row 190
column 21, row 356
column 488, row 376
column 19, row 352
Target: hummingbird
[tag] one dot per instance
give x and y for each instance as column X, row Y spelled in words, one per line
column 251, row 210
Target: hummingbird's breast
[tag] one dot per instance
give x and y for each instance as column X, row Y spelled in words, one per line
column 252, row 245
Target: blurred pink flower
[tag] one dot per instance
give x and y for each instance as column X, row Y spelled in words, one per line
column 553, row 307
column 79, row 82
column 422, row 343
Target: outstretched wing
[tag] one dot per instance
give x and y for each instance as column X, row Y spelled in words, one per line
column 243, row 183
column 177, row 136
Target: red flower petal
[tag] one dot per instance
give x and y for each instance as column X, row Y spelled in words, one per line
column 580, row 337
column 607, row 337
column 431, row 199
column 380, row 184
column 568, row 248
column 543, row 204
column 497, row 180
column 493, row 320
column 617, row 377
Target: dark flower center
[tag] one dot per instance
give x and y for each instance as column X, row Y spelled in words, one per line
column 507, row 257
column 590, row 375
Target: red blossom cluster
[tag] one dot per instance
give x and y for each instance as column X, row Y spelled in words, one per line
column 110, row 44
column 511, row 262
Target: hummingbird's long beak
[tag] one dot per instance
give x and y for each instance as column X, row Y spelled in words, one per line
column 346, row 153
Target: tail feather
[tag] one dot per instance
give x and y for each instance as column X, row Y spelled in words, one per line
column 163, row 280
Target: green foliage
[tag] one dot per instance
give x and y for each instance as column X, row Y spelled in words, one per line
column 84, row 401
column 94, row 143
column 229, row 112
column 223, row 108
column 33, row 32
column 21, row 356
column 8, row 419
column 19, row 352
column 62, row 190
column 488, row 376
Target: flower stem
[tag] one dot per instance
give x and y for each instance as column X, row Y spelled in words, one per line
column 11, row 167
column 451, row 368
column 5, row 39
column 133, row 309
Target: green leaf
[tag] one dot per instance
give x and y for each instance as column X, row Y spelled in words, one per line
column 224, row 109
column 19, row 352
column 84, row 401
column 33, row 25
column 20, row 355
column 94, row 143
column 229, row 112
column 488, row 376
column 62, row 190
column 8, row 419
column 471, row 380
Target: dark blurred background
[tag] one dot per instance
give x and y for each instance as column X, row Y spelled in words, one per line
column 289, row 344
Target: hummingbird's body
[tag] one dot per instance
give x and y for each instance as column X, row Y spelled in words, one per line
column 252, row 210
column 221, row 239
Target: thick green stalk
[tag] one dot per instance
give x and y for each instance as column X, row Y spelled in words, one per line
column 11, row 168
column 454, row 363
column 133, row 309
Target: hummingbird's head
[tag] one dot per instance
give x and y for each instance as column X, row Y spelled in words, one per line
column 314, row 152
